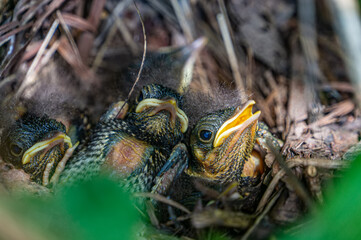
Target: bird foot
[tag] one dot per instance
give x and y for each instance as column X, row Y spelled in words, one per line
column 175, row 165
column 59, row 168
column 117, row 110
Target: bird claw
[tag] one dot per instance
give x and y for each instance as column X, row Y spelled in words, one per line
column 59, row 168
column 263, row 134
column 175, row 165
column 117, row 110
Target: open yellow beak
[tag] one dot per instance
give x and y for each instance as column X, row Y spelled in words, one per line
column 241, row 119
column 172, row 106
column 58, row 138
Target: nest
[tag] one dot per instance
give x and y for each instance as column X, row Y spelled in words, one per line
column 61, row 58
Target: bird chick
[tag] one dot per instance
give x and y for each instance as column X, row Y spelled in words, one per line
column 37, row 145
column 143, row 148
column 222, row 143
column 229, row 145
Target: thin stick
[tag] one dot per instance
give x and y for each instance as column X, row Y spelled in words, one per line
column 123, row 30
column 50, row 53
column 126, row 35
column 223, row 9
column 294, row 162
column 292, row 180
column 163, row 199
column 262, row 215
column 118, row 10
column 143, row 58
column 100, row 54
column 6, row 37
column 68, row 34
column 182, row 20
column 230, row 52
column 30, row 75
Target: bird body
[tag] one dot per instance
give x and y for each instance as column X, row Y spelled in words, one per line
column 142, row 146
column 115, row 149
column 142, row 142
column 137, row 147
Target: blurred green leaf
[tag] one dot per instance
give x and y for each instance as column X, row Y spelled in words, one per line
column 98, row 209
column 340, row 216
column 212, row 234
column 101, row 209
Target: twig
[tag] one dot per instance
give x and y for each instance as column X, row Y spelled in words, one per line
column 143, row 58
column 30, row 75
column 262, row 215
column 36, row 26
column 68, row 34
column 14, row 58
column 120, row 7
column 126, row 35
column 317, row 162
column 298, row 161
column 45, row 59
column 220, row 217
column 74, row 21
column 230, row 52
column 8, row 27
column 29, row 11
column 52, row 7
column 163, row 199
column 6, row 37
column 293, row 180
column 86, row 39
column 151, row 213
column 182, row 20
column 223, row 9
column 99, row 57
column 178, row 219
column 113, row 18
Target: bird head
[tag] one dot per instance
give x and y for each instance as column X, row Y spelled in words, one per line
column 173, row 66
column 222, row 143
column 158, row 115
column 35, row 144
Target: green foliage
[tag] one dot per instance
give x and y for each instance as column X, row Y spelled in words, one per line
column 101, row 209
column 97, row 209
column 340, row 216
column 212, row 234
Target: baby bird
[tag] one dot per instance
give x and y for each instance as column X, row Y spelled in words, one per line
column 37, row 145
column 155, row 125
column 143, row 148
column 222, row 145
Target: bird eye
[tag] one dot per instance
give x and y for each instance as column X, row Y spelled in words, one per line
column 205, row 135
column 16, row 150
